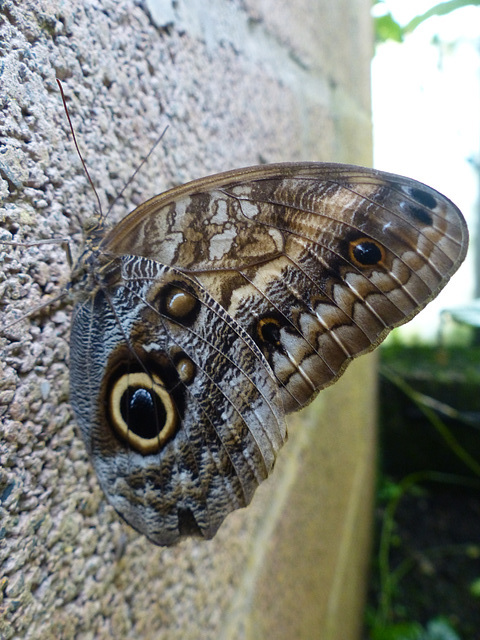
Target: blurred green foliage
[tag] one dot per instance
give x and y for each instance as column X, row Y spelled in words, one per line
column 386, row 27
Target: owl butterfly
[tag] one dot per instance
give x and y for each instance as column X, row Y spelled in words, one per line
column 214, row 309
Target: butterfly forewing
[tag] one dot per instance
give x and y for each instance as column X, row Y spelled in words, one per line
column 317, row 261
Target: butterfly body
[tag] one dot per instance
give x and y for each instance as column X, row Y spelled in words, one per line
column 214, row 309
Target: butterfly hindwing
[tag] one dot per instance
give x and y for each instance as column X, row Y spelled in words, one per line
column 178, row 408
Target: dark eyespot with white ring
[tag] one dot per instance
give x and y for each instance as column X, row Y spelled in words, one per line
column 365, row 252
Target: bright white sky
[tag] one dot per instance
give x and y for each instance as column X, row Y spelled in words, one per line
column 426, row 114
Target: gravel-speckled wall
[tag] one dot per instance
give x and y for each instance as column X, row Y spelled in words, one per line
column 238, row 82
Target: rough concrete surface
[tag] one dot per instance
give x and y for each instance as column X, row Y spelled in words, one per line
column 238, row 82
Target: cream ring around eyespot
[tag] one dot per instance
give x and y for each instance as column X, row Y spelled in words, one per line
column 153, row 385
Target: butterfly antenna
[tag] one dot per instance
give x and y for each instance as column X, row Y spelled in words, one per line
column 31, row 312
column 78, row 149
column 132, row 177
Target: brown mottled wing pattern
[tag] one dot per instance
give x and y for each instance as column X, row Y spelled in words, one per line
column 213, row 309
column 316, row 261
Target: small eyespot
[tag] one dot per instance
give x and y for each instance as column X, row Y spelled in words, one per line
column 175, row 301
column 423, row 197
column 179, row 304
column 420, row 215
column 365, row 252
column 186, row 369
column 268, row 330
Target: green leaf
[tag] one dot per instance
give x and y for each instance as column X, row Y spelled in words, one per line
column 387, row 29
column 441, row 9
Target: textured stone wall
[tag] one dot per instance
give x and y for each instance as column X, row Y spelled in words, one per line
column 238, row 82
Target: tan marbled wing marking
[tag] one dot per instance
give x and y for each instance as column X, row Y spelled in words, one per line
column 277, row 246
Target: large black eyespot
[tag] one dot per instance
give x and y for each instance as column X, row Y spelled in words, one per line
column 144, row 397
column 365, row 252
column 142, row 411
